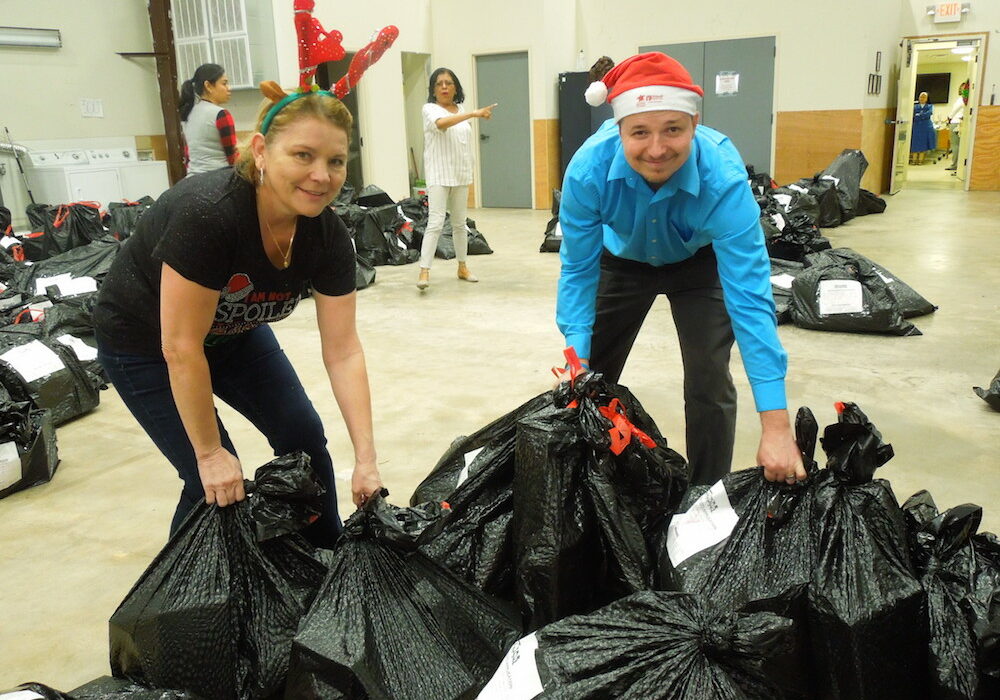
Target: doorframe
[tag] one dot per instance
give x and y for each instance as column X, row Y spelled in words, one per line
column 975, row 98
column 774, row 87
column 477, row 199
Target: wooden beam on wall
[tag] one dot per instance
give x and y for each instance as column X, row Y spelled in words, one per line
column 166, row 76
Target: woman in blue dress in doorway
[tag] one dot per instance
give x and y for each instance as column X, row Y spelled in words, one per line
column 923, row 138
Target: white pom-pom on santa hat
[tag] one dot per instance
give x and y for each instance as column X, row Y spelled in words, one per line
column 596, row 94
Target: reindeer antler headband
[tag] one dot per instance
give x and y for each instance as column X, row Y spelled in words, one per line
column 317, row 45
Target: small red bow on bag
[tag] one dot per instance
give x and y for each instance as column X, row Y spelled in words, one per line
column 316, row 44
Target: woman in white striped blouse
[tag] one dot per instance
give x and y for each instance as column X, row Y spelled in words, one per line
column 448, row 168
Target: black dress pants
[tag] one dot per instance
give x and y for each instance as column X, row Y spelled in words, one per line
column 626, row 292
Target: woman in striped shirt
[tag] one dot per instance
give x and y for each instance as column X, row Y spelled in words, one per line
column 209, row 131
column 448, row 168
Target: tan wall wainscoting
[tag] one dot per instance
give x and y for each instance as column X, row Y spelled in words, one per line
column 546, row 161
column 985, row 173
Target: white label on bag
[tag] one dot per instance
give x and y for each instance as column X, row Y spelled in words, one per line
column 517, row 678
column 8, row 241
column 709, row 521
column 784, row 200
column 22, row 695
column 840, row 297
column 885, row 278
column 558, row 231
column 779, row 221
column 66, row 284
column 784, row 280
column 33, row 360
column 470, row 457
column 83, row 352
column 798, row 188
column 831, row 178
column 10, row 466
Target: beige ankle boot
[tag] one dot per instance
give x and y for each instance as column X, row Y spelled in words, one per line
column 464, row 274
column 424, row 280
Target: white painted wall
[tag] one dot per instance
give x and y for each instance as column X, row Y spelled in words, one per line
column 42, row 88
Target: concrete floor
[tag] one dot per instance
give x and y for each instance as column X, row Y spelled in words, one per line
column 445, row 362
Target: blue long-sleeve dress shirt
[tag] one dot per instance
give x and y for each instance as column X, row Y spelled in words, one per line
column 608, row 205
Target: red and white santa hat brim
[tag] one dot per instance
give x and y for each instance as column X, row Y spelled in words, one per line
column 646, row 83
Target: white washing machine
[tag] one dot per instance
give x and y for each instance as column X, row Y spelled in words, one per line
column 104, row 172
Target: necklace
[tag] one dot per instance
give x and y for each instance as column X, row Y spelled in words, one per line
column 286, row 255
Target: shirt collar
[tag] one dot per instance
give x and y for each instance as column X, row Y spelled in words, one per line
column 687, row 178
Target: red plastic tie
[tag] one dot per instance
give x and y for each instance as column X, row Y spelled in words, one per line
column 839, row 405
column 622, row 429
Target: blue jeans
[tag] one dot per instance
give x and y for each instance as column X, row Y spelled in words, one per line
column 252, row 375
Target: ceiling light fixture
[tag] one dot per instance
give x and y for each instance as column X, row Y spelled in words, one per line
column 30, row 36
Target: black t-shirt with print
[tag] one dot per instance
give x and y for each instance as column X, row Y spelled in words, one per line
column 206, row 229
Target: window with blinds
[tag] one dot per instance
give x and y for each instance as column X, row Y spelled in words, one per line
column 212, row 31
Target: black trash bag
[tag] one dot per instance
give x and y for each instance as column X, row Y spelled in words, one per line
column 57, row 229
column 791, row 236
column 796, row 200
column 783, row 273
column 390, row 623
column 121, row 217
column 869, row 203
column 42, row 691
column 47, row 373
column 760, row 183
column 364, row 273
column 345, row 196
column 847, row 169
column 33, row 435
column 867, row 615
column 942, row 553
column 553, row 232
column 827, row 199
column 376, row 239
column 477, row 241
column 352, row 215
column 109, row 688
column 474, row 538
column 849, row 296
column 373, row 196
column 593, row 482
column 986, row 627
column 911, row 303
column 991, row 394
column 67, row 322
column 91, row 260
column 415, row 209
column 216, row 611
column 648, row 646
column 765, row 562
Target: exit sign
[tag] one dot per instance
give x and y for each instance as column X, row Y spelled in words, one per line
column 948, row 12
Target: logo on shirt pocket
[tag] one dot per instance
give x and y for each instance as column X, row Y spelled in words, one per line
column 237, row 288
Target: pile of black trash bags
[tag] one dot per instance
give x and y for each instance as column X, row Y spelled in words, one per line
column 558, row 552
column 390, row 233
column 49, row 373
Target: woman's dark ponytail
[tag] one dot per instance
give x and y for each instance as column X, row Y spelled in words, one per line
column 187, row 99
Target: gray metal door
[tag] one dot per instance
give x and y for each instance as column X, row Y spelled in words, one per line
column 504, row 140
column 738, row 78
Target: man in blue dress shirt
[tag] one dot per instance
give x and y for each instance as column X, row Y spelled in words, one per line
column 655, row 204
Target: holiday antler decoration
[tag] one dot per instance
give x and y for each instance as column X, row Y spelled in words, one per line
column 316, row 44
column 365, row 58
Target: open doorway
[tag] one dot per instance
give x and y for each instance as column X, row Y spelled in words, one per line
column 948, row 70
column 327, row 74
column 416, row 74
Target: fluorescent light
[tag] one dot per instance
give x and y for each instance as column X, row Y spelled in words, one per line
column 963, row 49
column 28, row 36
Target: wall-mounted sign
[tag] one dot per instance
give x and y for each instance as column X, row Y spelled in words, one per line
column 947, row 12
column 727, row 82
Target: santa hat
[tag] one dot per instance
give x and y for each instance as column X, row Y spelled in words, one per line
column 646, row 83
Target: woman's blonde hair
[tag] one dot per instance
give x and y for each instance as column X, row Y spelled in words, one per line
column 320, row 106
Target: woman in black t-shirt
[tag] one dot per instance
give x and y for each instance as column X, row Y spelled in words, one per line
column 183, row 312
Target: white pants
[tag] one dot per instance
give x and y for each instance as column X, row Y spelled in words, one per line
column 440, row 198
